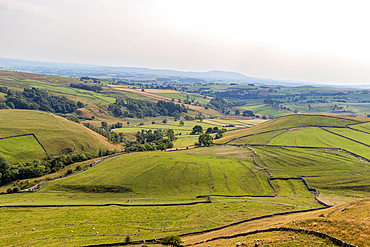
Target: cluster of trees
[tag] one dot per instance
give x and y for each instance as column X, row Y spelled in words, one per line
column 205, row 140
column 198, row 129
column 248, row 113
column 144, row 84
column 105, row 130
column 37, row 168
column 36, row 99
column 95, row 88
column 215, row 130
column 173, row 241
column 220, row 103
column 147, row 140
column 242, row 93
column 141, row 109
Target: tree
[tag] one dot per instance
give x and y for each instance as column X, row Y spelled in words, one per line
column 104, row 125
column 205, row 140
column 80, row 104
column 173, row 241
column 248, row 113
column 197, row 129
column 164, row 121
column 237, row 112
column 127, row 239
column 4, row 171
column 181, row 123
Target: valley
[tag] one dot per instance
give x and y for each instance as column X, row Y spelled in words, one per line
column 128, row 162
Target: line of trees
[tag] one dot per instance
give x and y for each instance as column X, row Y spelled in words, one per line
column 141, row 109
column 105, row 130
column 38, row 168
column 36, row 99
column 95, row 88
column 198, row 130
column 148, row 140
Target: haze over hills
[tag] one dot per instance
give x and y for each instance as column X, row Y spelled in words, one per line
column 116, row 73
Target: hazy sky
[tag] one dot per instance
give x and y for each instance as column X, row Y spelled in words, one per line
column 320, row 41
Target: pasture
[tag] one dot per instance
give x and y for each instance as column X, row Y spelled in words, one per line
column 316, row 137
column 292, row 121
column 150, row 179
column 21, row 149
column 154, row 178
column 182, row 132
column 55, row 133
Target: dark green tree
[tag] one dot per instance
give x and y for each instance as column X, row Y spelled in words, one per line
column 205, row 140
column 248, row 113
column 173, row 241
column 237, row 112
column 197, row 129
column 127, row 239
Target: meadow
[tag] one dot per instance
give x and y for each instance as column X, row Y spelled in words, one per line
column 55, row 133
column 141, row 182
column 182, row 132
column 316, row 137
column 21, row 149
column 348, row 222
column 154, row 178
column 293, row 121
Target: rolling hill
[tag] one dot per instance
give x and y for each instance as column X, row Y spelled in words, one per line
column 58, row 135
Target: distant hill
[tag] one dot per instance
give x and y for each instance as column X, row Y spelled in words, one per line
column 78, row 70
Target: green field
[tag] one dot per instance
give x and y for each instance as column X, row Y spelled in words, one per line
column 21, row 149
column 153, row 177
column 54, row 132
column 176, row 177
column 175, row 174
column 291, row 121
column 185, row 140
column 316, row 137
column 339, row 173
column 182, row 133
column 262, row 138
column 77, row 226
column 361, row 126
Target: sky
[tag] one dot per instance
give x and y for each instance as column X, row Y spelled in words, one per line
column 325, row 42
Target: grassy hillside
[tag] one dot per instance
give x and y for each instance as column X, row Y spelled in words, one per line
column 348, row 222
column 21, row 149
column 291, row 121
column 175, row 174
column 176, row 177
column 55, row 85
column 55, row 133
column 336, row 172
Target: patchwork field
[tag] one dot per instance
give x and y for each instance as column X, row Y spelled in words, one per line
column 293, row 121
column 182, row 132
column 235, row 188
